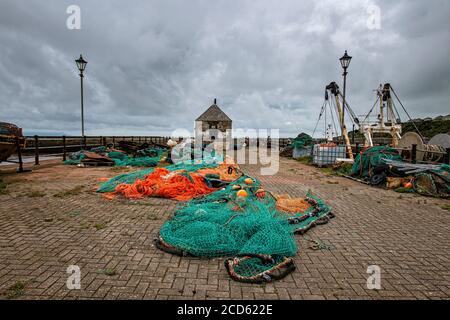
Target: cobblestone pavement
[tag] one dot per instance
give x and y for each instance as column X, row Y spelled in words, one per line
column 51, row 218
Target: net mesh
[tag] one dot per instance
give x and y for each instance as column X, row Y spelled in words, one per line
column 238, row 219
column 149, row 157
column 223, row 224
column 371, row 158
column 434, row 182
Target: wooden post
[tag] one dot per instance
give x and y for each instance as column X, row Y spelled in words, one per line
column 64, row 148
column 447, row 156
column 36, row 150
column 413, row 153
column 19, row 154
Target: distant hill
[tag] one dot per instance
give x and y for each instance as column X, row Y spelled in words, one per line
column 429, row 127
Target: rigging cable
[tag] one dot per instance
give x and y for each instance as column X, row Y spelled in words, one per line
column 404, row 109
column 374, row 105
column 320, row 116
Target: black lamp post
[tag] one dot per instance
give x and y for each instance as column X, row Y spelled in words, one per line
column 345, row 62
column 81, row 64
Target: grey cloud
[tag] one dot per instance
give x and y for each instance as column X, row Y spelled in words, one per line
column 154, row 66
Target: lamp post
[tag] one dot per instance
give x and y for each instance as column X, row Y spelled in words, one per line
column 345, row 62
column 81, row 64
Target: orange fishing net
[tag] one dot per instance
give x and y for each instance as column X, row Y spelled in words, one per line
column 288, row 205
column 179, row 185
column 227, row 171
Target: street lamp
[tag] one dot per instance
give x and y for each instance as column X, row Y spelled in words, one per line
column 345, row 62
column 81, row 64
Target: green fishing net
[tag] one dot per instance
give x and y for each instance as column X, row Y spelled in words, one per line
column 221, row 224
column 257, row 239
column 433, row 182
column 371, row 158
column 301, row 141
column 149, row 157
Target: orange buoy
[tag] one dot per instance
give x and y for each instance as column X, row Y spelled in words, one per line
column 242, row 193
column 248, row 181
column 408, row 185
column 236, row 187
column 260, row 193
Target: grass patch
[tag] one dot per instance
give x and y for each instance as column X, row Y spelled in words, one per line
column 16, row 290
column 100, row 225
column 84, row 225
column 305, row 160
column 35, row 194
column 3, row 187
column 327, row 170
column 446, row 207
column 109, row 272
column 71, row 192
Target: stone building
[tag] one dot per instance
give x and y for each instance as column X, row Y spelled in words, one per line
column 212, row 123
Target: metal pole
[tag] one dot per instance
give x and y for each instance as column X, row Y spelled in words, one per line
column 82, row 106
column 353, row 135
column 343, row 98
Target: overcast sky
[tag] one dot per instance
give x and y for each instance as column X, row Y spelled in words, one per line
column 154, row 66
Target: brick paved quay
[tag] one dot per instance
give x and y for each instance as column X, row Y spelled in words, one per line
column 51, row 218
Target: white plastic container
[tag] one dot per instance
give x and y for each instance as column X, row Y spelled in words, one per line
column 324, row 156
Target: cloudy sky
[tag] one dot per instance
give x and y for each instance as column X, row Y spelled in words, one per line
column 154, row 66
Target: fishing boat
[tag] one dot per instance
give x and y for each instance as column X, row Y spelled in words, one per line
column 11, row 138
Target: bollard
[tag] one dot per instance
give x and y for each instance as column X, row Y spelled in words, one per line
column 447, row 156
column 36, row 150
column 64, row 148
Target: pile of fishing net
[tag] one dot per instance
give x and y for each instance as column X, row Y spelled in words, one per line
column 249, row 226
column 302, row 142
column 178, row 183
column 433, row 182
column 225, row 213
column 148, row 157
column 369, row 164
